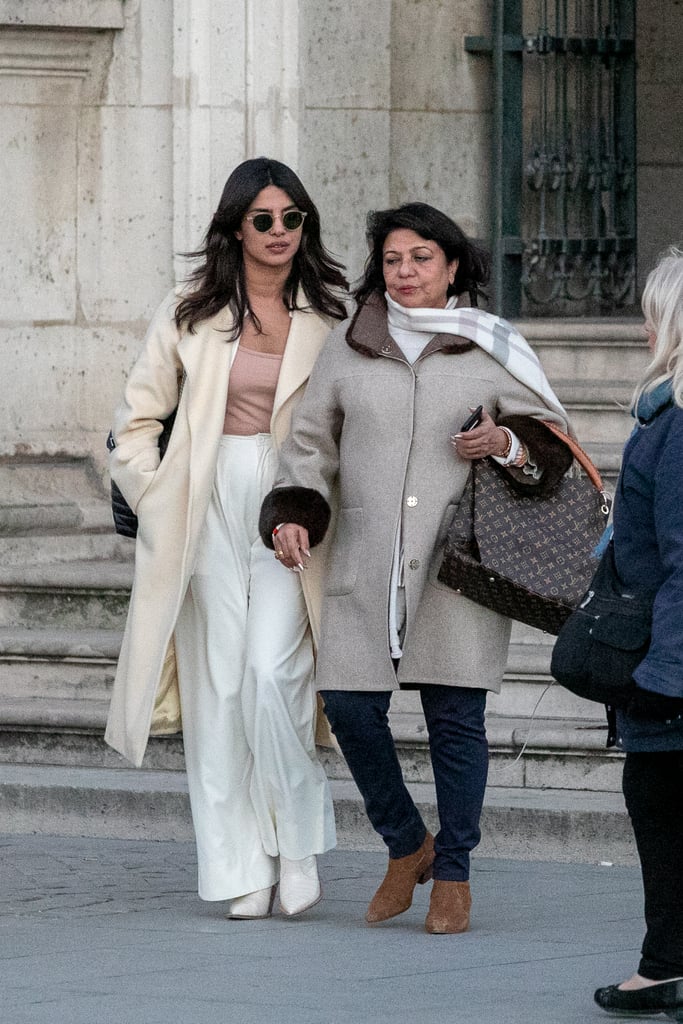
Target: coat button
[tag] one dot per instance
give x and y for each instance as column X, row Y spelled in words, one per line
column 414, row 563
column 411, row 501
column 386, row 348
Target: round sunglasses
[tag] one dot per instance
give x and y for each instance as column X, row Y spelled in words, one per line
column 291, row 220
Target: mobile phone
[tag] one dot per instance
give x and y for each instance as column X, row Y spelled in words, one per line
column 472, row 421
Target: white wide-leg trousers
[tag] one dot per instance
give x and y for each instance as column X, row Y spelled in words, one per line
column 245, row 668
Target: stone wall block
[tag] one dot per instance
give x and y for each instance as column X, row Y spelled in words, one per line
column 443, row 159
column 227, row 150
column 125, row 212
column 227, row 55
column 104, row 359
column 660, row 217
column 60, row 14
column 82, row 374
column 430, row 68
column 156, row 53
column 38, row 171
column 42, row 376
column 53, row 68
column 346, row 53
column 272, row 80
column 142, row 66
column 660, row 125
column 344, row 167
column 659, row 30
column 123, row 81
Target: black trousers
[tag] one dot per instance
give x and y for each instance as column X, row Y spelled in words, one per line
column 653, row 790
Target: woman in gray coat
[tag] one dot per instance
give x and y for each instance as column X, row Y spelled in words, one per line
column 375, row 445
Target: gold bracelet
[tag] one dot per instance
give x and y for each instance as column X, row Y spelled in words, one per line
column 508, row 448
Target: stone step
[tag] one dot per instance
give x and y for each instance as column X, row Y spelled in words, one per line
column 539, row 752
column 62, row 713
column 43, row 650
column 51, row 664
column 41, row 549
column 68, row 747
column 138, row 804
column 55, row 687
column 589, row 349
column 45, row 517
column 593, row 365
column 55, row 507
column 599, row 411
column 84, row 594
column 57, row 663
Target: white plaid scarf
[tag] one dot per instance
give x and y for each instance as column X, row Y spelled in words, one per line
column 494, row 335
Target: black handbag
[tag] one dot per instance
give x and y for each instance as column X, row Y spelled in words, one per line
column 525, row 556
column 604, row 640
column 125, row 520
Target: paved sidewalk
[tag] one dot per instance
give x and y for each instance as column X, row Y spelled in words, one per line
column 102, row 931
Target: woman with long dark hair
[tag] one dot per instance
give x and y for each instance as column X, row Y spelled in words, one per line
column 217, row 633
column 377, row 440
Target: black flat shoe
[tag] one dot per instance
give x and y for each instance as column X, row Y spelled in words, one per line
column 666, row 997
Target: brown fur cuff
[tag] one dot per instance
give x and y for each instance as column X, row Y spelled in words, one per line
column 301, row 505
column 547, row 451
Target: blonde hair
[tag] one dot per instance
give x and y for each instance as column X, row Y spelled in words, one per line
column 662, row 304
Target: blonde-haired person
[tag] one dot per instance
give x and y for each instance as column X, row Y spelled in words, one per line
column 648, row 546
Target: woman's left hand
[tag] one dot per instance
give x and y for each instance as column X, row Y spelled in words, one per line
column 291, row 546
column 485, row 439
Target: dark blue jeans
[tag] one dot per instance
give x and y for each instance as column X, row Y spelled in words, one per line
column 459, row 752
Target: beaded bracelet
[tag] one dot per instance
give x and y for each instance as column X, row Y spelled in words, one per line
column 508, row 449
column 522, row 456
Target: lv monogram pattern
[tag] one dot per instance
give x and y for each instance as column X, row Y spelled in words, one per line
column 526, row 557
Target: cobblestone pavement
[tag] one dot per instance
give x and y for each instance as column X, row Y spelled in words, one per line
column 112, row 932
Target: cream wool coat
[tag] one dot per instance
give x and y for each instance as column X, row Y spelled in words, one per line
column 171, row 498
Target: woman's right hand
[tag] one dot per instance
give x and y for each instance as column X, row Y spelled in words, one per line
column 485, row 439
column 291, row 546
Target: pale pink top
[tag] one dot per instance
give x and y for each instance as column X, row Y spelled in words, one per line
column 251, row 392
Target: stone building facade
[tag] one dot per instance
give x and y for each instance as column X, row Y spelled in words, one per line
column 120, row 120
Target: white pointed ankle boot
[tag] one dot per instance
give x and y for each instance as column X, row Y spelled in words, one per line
column 253, row 906
column 299, row 885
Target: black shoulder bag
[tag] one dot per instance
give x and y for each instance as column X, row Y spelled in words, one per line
column 604, row 639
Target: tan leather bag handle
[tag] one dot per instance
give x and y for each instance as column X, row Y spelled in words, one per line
column 579, row 454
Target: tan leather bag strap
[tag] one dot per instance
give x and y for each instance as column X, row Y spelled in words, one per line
column 579, row 454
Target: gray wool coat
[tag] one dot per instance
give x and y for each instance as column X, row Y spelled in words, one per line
column 371, row 441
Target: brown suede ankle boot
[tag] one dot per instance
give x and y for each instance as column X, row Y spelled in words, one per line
column 449, row 908
column 395, row 894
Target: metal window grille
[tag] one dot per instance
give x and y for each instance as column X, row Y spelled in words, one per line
column 564, row 159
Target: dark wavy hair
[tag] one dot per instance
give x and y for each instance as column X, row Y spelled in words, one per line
column 219, row 279
column 474, row 264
